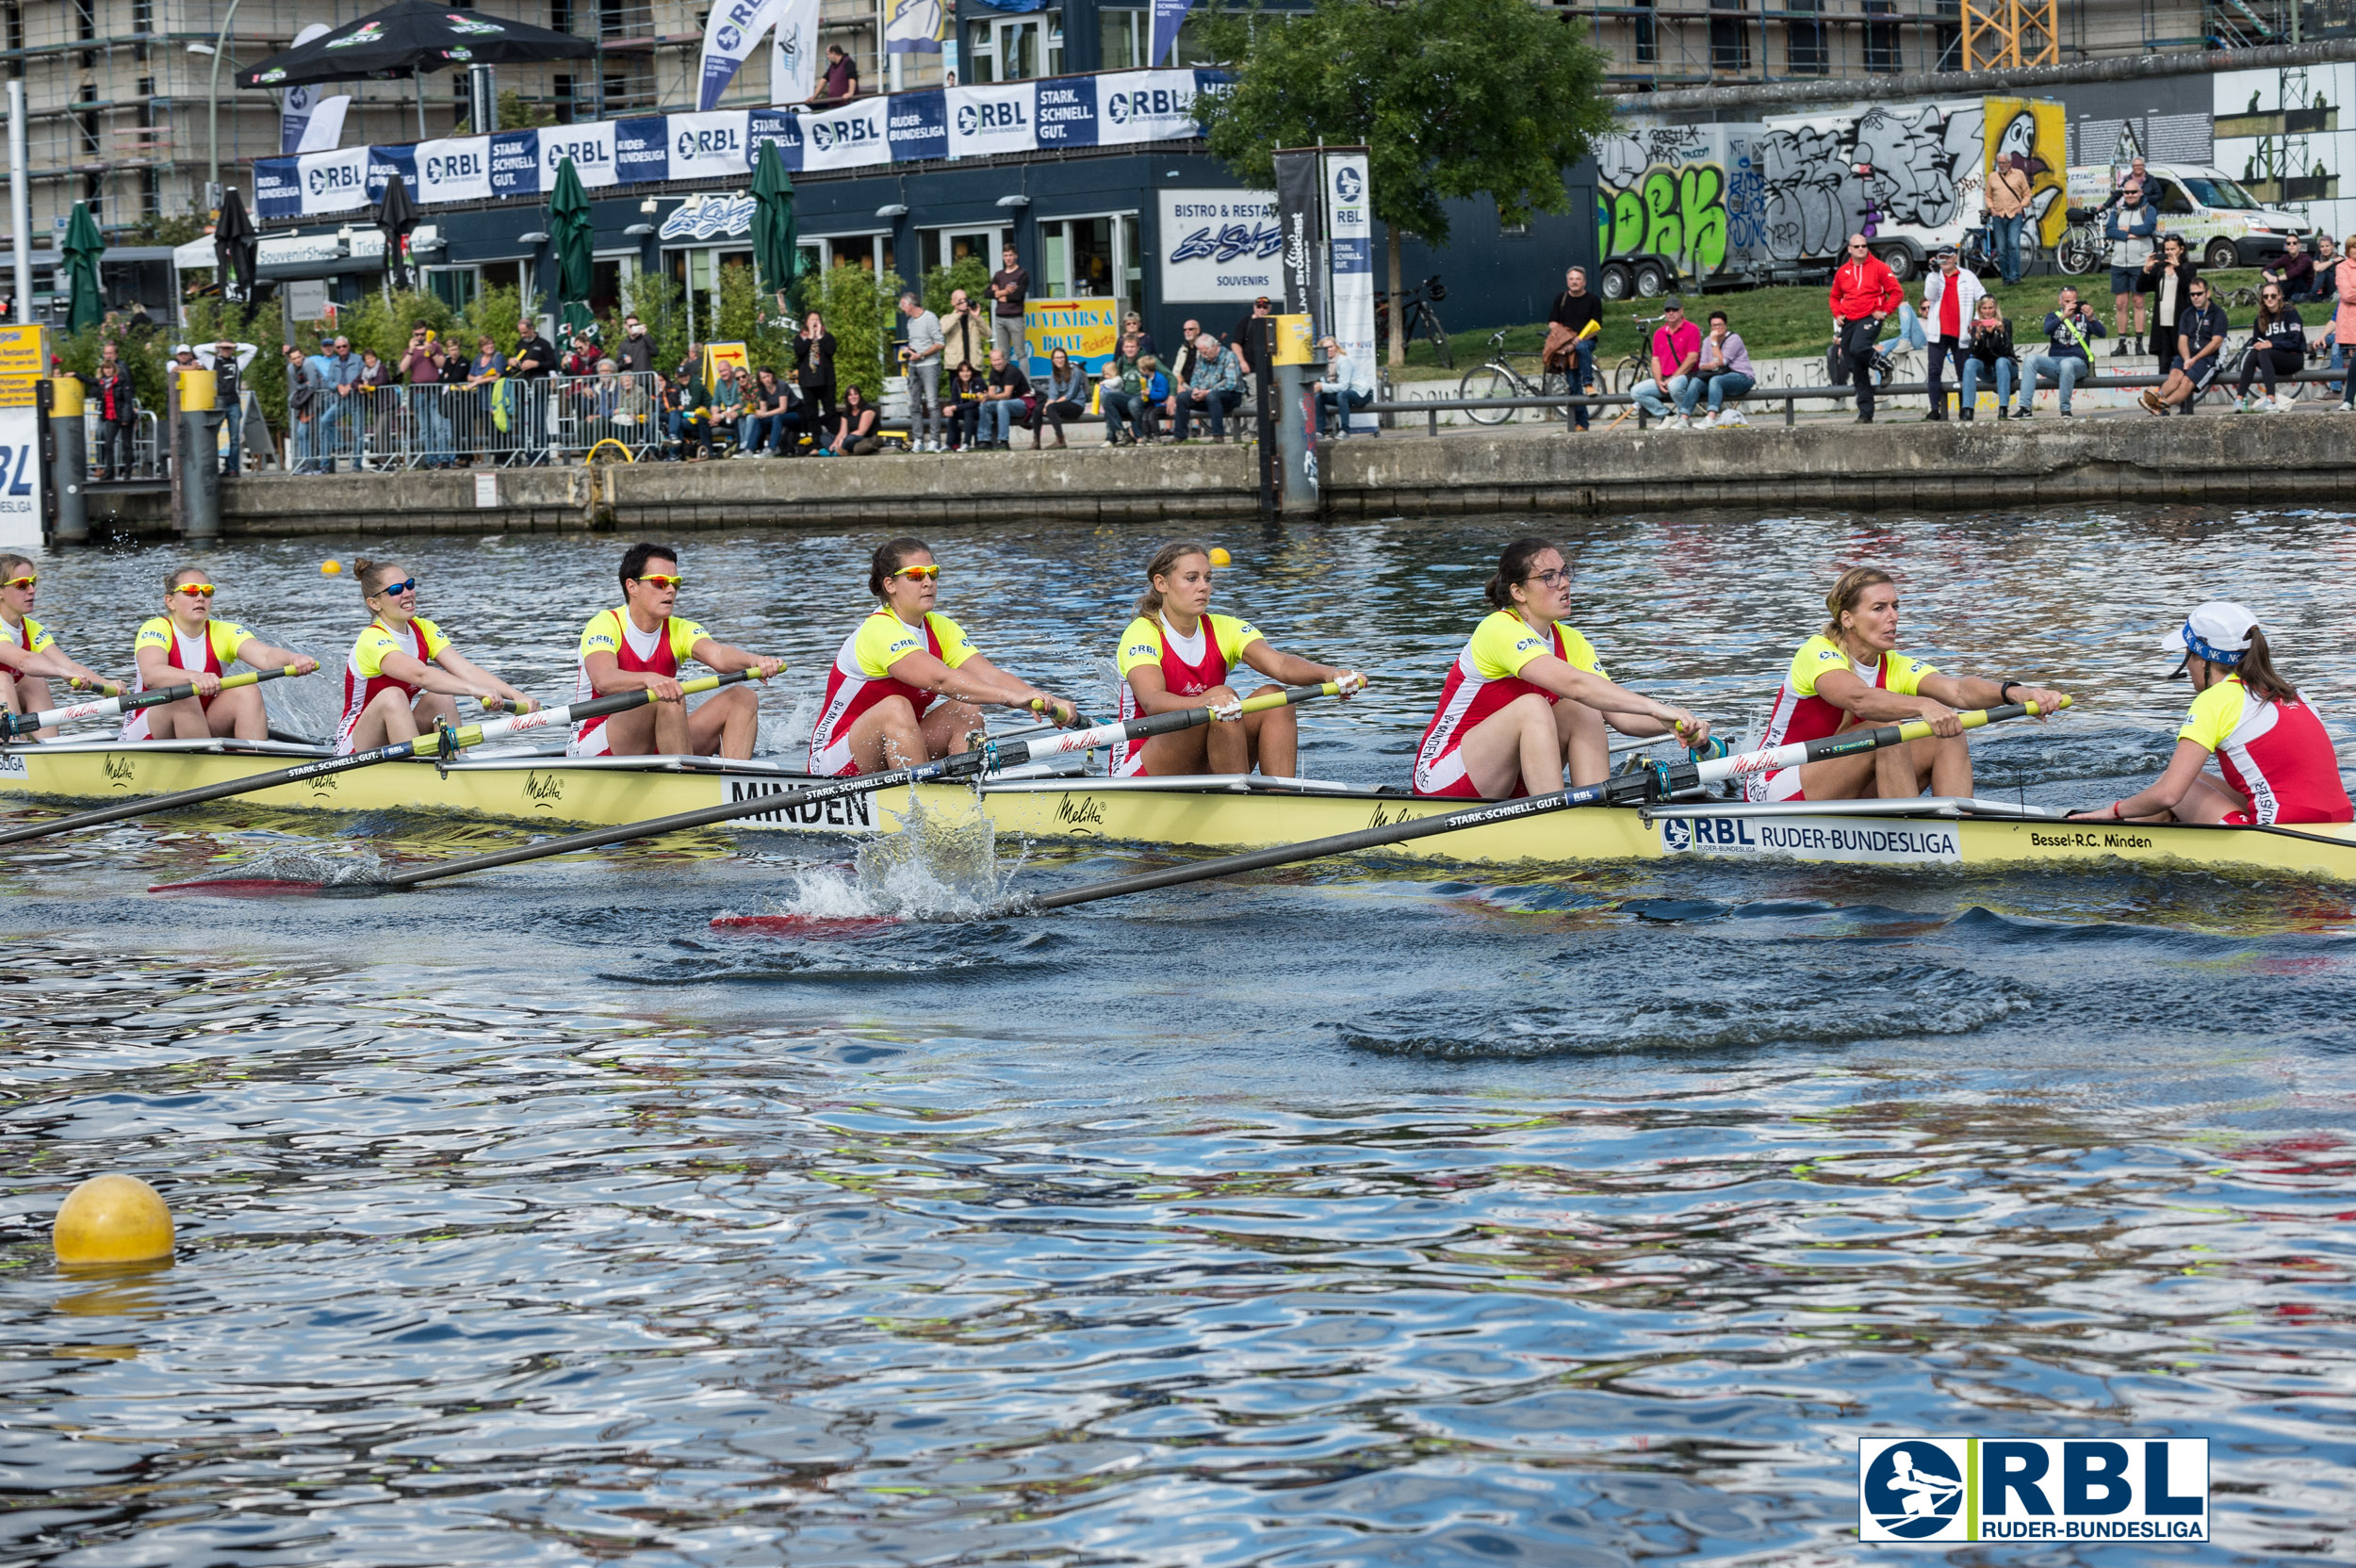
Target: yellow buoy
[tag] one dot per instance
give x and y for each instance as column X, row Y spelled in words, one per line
column 112, row 1219
column 329, row 568
column 1221, row 558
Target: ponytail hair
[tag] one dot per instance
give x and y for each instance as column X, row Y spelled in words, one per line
column 2258, row 672
column 890, row 557
column 1847, row 591
column 1514, row 567
column 1164, row 562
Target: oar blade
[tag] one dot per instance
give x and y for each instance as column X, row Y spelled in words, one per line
column 819, row 927
column 264, row 887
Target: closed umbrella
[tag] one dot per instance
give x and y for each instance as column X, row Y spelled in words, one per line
column 396, row 215
column 83, row 245
column 571, row 238
column 235, row 244
column 775, row 253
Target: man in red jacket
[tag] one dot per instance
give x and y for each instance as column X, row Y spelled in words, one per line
column 1863, row 292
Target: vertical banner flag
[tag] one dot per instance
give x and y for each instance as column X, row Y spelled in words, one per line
column 1166, row 15
column 294, row 104
column 1349, row 215
column 730, row 33
column 324, row 132
column 913, row 27
column 1300, row 215
column 794, row 52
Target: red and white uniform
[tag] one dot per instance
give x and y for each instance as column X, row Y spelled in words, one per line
column 1486, row 677
column 1800, row 714
column 364, row 671
column 665, row 650
column 212, row 655
column 861, row 678
column 2275, row 755
column 1190, row 666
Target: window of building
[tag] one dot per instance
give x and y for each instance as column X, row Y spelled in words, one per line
column 455, row 287
column 142, row 16
column 94, row 195
column 1730, row 38
column 1808, row 49
column 86, row 121
column 561, row 90
column 1089, row 258
column 1947, row 36
column 1647, row 40
column 1882, row 51
column 1014, row 48
column 561, row 16
column 1122, row 38
column 947, row 247
column 84, row 19
column 151, row 192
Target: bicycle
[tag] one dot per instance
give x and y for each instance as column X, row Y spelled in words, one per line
column 1423, row 321
column 1502, row 378
column 1634, row 366
column 2083, row 245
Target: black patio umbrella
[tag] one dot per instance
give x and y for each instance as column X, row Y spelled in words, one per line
column 409, row 39
column 235, row 244
column 396, row 215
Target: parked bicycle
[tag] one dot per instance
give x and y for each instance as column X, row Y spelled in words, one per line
column 1423, row 321
column 1979, row 253
column 1636, row 365
column 1508, row 375
column 2083, row 247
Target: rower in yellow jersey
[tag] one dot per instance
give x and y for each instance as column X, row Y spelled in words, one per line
column 185, row 646
column 29, row 654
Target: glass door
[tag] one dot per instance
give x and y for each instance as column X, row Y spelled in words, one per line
column 1091, row 258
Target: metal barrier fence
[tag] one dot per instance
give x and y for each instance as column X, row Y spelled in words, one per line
column 504, row 423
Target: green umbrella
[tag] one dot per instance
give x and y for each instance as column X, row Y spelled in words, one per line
column 83, row 243
column 569, row 236
column 775, row 253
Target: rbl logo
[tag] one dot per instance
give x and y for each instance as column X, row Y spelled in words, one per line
column 826, row 134
column 693, row 145
column 584, row 154
column 445, row 167
column 990, row 119
column 1157, row 103
column 1348, row 184
column 323, row 179
column 729, row 37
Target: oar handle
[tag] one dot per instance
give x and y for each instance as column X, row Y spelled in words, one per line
column 14, row 725
column 1013, row 754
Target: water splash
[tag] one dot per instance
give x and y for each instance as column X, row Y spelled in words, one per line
column 942, row 863
column 293, row 867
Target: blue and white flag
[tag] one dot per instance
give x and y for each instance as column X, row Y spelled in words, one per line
column 731, row 32
column 454, row 169
column 1166, row 15
column 590, row 146
column 794, row 52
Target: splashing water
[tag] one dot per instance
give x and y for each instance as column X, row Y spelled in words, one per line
column 941, row 864
column 298, row 867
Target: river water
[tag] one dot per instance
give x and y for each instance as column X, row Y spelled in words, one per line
column 1362, row 1213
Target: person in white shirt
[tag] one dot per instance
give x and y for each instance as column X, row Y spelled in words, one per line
column 1950, row 295
column 1342, row 388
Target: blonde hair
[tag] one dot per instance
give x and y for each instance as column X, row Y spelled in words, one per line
column 1847, row 591
column 1164, row 562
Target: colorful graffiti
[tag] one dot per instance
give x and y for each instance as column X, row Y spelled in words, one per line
column 1663, row 193
column 2037, row 134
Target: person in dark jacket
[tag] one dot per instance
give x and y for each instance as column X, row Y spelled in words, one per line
column 2128, row 228
column 635, row 356
column 2168, row 278
column 2069, row 357
column 813, row 371
column 1987, row 353
column 2278, row 347
column 114, row 405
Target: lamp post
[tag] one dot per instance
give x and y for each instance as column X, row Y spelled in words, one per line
column 212, row 103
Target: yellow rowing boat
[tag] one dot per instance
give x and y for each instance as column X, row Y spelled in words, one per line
column 1213, row 813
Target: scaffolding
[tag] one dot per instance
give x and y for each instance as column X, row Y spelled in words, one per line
column 2008, row 33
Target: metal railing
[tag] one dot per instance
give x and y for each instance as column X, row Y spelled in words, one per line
column 1558, row 406
column 504, row 423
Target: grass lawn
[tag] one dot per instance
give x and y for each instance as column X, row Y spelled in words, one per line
column 1789, row 323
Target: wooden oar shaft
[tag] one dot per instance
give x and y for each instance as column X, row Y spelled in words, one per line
column 1819, row 750
column 429, row 744
column 989, row 758
column 13, row 725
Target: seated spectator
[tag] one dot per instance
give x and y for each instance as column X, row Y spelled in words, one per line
column 1005, row 401
column 2201, row 330
column 1152, row 385
column 690, row 409
column 1341, row 390
column 962, row 399
column 768, row 424
column 730, row 406
column 1121, row 399
column 1064, row 395
column 1987, row 353
column 2278, row 347
column 2068, row 356
column 2295, row 271
column 853, row 427
column 1723, row 370
column 1676, row 348
column 1180, row 373
column 1133, row 325
column 1213, row 393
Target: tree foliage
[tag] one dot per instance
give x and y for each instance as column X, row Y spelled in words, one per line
column 859, row 308
column 966, row 272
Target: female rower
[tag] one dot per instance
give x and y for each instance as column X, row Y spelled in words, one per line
column 2277, row 761
column 391, row 692
column 883, row 707
column 1852, row 674
column 1176, row 655
column 29, row 653
column 186, row 646
column 1528, row 695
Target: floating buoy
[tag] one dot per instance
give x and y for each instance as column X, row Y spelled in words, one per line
column 112, row 1218
column 1221, row 558
column 330, row 568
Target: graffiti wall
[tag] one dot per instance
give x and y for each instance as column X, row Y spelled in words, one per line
column 1721, row 199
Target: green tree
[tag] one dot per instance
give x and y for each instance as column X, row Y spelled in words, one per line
column 1452, row 98
column 517, row 113
column 748, row 316
column 859, row 307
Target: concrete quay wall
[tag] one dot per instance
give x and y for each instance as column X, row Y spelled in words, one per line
column 1899, row 463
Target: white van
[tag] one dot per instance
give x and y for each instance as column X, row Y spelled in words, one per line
column 2221, row 224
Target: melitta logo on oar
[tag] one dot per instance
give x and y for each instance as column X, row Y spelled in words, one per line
column 1940, row 1491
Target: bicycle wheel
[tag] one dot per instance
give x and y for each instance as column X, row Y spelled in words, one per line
column 1491, row 381
column 2080, row 251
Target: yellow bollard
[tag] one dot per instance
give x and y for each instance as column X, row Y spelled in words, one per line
column 112, row 1218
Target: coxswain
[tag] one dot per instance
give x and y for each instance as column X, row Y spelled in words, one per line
column 29, row 654
column 186, row 646
column 2277, row 762
column 908, row 686
column 640, row 645
column 1177, row 655
column 1852, row 674
column 1528, row 698
column 391, row 689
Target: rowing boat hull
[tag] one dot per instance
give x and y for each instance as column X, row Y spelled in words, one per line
column 1207, row 816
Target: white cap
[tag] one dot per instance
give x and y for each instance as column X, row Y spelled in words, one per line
column 2218, row 631
column 182, row 349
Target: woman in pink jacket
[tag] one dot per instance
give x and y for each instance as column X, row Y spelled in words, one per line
column 2344, row 322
